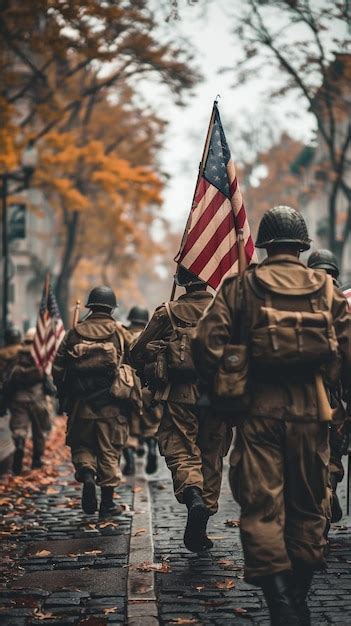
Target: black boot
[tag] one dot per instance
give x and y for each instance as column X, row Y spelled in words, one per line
column 37, row 462
column 18, row 455
column 89, row 502
column 278, row 594
column 108, row 508
column 336, row 510
column 301, row 582
column 195, row 537
column 151, row 463
column 140, row 451
column 129, row 468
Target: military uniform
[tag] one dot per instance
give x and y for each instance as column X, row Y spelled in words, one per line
column 190, row 438
column 279, row 465
column 7, row 447
column 97, row 429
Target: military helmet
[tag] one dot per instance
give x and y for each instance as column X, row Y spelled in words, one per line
column 102, row 296
column 185, row 278
column 325, row 260
column 138, row 315
column 12, row 335
column 30, row 334
column 282, row 224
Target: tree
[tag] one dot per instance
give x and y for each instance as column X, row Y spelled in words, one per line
column 305, row 39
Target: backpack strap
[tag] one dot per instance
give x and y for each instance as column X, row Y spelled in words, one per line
column 120, row 336
column 170, row 315
column 329, row 291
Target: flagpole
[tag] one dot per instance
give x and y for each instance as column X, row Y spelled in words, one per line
column 200, row 172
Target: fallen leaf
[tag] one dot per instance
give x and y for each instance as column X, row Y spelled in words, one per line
column 228, row 583
column 112, row 610
column 106, row 524
column 199, row 587
column 240, row 611
column 51, row 491
column 93, row 552
column 164, row 568
column 233, row 523
column 140, row 531
column 216, row 537
column 137, row 489
column 43, row 553
column 225, row 563
column 184, row 620
column 41, row 615
column 215, row 602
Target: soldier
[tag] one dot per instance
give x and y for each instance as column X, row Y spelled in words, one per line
column 27, row 403
column 84, row 369
column 143, row 424
column 338, row 437
column 13, row 342
column 279, row 463
column 192, row 441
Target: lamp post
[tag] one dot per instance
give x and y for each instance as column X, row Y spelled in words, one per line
column 29, row 161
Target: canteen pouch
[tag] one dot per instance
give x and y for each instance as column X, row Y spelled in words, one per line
column 156, row 372
column 181, row 368
column 127, row 386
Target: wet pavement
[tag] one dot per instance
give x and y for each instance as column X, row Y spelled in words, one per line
column 61, row 567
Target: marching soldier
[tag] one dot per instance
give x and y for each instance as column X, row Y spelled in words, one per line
column 25, row 389
column 279, row 465
column 192, row 441
column 13, row 343
column 338, row 437
column 84, row 369
column 143, row 424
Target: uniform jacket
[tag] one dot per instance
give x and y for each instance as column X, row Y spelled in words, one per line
column 7, row 354
column 98, row 326
column 188, row 308
column 23, row 379
column 284, row 397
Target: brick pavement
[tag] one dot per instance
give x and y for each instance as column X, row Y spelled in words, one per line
column 61, row 567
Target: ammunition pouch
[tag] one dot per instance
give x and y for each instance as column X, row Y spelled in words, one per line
column 181, row 368
column 156, row 371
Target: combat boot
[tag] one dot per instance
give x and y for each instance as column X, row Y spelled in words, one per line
column 336, row 510
column 278, row 594
column 129, row 468
column 195, row 537
column 151, row 463
column 89, row 502
column 301, row 583
column 18, row 455
column 37, row 462
column 108, row 508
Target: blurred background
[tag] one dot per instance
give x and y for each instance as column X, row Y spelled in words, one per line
column 104, row 107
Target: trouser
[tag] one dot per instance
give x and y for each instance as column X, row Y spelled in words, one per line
column 96, row 444
column 194, row 443
column 144, row 424
column 24, row 413
column 337, row 445
column 279, row 476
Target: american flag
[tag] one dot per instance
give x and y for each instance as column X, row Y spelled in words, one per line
column 209, row 247
column 50, row 331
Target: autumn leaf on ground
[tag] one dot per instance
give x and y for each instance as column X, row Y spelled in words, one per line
column 199, row 587
column 137, row 489
column 41, row 615
column 240, row 611
column 228, row 583
column 163, row 568
column 111, row 610
column 214, row 602
column 52, row 491
column 184, row 620
column 43, row 553
column 216, row 537
column 233, row 523
column 93, row 552
column 140, row 531
column 107, row 524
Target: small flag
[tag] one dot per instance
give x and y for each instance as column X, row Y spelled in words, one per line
column 209, row 247
column 50, row 331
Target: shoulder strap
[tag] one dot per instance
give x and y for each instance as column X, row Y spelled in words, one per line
column 170, row 315
column 120, row 336
column 329, row 291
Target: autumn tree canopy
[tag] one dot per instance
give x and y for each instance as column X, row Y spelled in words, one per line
column 71, row 72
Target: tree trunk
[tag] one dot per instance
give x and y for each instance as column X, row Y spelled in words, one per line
column 67, row 267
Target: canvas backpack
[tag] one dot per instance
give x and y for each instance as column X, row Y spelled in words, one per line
column 179, row 358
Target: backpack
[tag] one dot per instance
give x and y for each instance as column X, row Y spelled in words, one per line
column 297, row 339
column 92, row 366
column 180, row 364
column 22, row 373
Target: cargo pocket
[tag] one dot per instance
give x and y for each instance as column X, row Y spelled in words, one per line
column 119, row 432
column 322, row 477
column 235, row 462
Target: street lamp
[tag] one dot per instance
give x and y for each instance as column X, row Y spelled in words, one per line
column 22, row 176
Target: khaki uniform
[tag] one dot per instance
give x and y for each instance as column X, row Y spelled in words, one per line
column 191, row 439
column 27, row 401
column 96, row 433
column 279, row 466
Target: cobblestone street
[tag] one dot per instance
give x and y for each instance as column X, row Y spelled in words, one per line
column 61, row 567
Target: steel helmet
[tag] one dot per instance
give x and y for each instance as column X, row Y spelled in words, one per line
column 12, row 335
column 325, row 260
column 30, row 334
column 138, row 315
column 282, row 224
column 185, row 278
column 102, row 296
